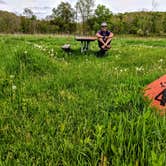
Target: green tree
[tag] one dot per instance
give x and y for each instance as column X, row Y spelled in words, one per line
column 28, row 21
column 85, row 9
column 9, row 22
column 63, row 16
column 103, row 13
column 29, row 14
column 64, row 11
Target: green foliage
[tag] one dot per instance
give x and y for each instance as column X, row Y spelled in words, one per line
column 63, row 16
column 84, row 9
column 9, row 22
column 85, row 20
column 29, row 14
column 65, row 12
column 101, row 14
column 60, row 109
column 140, row 32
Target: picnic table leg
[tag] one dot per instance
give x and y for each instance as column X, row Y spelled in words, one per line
column 82, row 46
column 85, row 46
column 88, row 45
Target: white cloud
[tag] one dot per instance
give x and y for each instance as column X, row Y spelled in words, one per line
column 2, row 2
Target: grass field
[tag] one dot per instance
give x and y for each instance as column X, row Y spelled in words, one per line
column 80, row 110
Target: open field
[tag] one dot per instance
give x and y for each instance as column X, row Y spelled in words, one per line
column 79, row 110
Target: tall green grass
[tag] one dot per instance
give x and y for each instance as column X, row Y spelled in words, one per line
column 73, row 109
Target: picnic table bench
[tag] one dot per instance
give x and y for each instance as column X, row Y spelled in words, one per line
column 85, row 42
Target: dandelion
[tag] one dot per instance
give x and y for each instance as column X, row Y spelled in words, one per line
column 37, row 46
column 139, row 68
column 161, row 60
column 14, row 87
column 125, row 70
column 66, row 63
column 25, row 52
column 12, row 76
column 116, row 68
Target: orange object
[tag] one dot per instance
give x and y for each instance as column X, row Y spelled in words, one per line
column 156, row 92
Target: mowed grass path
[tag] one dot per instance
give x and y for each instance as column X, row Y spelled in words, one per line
column 79, row 110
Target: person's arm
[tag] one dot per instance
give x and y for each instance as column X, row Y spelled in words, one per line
column 111, row 35
column 98, row 35
column 100, row 38
column 109, row 38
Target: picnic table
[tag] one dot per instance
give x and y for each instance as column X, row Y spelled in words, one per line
column 85, row 42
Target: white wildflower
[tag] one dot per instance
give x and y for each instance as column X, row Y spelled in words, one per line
column 37, row 46
column 12, row 76
column 14, row 87
column 139, row 68
column 161, row 60
column 116, row 68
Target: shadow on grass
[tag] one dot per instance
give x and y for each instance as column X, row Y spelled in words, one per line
column 76, row 53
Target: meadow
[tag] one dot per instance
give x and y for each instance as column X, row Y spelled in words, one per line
column 80, row 110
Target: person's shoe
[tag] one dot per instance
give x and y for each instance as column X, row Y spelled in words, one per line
column 101, row 53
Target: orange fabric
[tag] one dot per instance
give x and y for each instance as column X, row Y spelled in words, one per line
column 153, row 89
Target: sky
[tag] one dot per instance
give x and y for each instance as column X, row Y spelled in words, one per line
column 43, row 8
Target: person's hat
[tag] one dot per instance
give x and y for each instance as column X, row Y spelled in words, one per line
column 104, row 24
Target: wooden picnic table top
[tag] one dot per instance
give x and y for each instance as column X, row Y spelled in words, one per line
column 85, row 38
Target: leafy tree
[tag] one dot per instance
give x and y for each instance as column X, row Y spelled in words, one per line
column 103, row 13
column 29, row 14
column 64, row 11
column 63, row 16
column 9, row 22
column 138, row 23
column 84, row 8
column 28, row 21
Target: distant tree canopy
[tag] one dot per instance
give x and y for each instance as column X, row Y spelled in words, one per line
column 84, row 8
column 65, row 19
column 63, row 16
column 101, row 14
column 29, row 14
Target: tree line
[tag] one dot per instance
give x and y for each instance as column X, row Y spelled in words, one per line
column 84, row 19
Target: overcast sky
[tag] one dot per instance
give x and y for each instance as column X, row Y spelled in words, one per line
column 43, row 8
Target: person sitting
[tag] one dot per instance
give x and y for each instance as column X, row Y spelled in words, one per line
column 104, row 37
